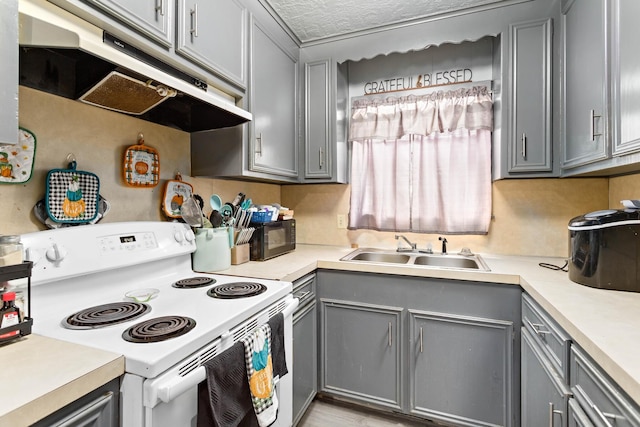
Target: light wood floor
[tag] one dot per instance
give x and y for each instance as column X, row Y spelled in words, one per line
column 329, row 414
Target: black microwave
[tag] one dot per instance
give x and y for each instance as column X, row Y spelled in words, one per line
column 271, row 239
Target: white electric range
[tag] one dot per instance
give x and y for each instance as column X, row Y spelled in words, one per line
column 81, row 276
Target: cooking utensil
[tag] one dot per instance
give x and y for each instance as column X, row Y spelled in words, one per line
column 191, row 212
column 216, row 202
column 215, row 218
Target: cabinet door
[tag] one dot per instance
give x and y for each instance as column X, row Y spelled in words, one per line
column 9, row 72
column 153, row 18
column 274, row 146
column 544, row 392
column 305, row 360
column 585, row 82
column 317, row 120
column 530, row 62
column 576, row 416
column 213, row 35
column 361, row 352
column 626, row 62
column 461, row 368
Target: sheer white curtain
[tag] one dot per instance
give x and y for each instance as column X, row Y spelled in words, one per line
column 422, row 164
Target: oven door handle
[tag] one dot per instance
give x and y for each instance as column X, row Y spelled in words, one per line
column 170, row 388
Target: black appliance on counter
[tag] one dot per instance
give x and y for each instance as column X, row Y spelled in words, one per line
column 271, row 239
column 605, row 249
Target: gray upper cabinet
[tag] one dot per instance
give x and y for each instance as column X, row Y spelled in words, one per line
column 585, row 80
column 153, row 18
column 325, row 100
column 626, row 68
column 273, row 102
column 530, row 124
column 9, row 72
column 213, row 34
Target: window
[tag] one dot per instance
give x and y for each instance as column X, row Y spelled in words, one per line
column 422, row 163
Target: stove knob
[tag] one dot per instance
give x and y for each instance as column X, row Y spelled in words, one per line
column 189, row 236
column 56, row 253
column 178, row 236
column 32, row 255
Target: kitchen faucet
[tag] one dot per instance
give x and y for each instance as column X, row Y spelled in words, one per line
column 444, row 244
column 413, row 245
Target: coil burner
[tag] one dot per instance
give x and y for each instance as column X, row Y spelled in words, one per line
column 159, row 329
column 105, row 315
column 194, row 282
column 236, row 290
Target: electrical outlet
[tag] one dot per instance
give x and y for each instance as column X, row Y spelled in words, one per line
column 342, row 221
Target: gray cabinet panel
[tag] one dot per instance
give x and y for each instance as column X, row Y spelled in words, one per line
column 153, row 18
column 305, row 359
column 585, row 82
column 461, row 369
column 603, row 402
column 544, row 392
column 530, row 121
column 317, row 120
column 213, row 35
column 576, row 416
column 9, row 72
column 361, row 351
column 273, row 102
column 626, row 62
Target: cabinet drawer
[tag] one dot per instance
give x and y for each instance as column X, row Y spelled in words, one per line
column 604, row 403
column 551, row 338
column 305, row 289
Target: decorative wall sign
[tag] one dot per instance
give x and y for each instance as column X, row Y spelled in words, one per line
column 438, row 78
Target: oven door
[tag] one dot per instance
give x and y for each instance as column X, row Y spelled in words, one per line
column 171, row 399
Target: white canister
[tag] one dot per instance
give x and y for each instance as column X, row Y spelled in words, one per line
column 213, row 251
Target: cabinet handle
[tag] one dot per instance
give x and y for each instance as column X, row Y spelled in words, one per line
column 536, row 328
column 592, row 124
column 259, row 144
column 390, row 332
column 421, row 341
column 321, row 162
column 302, row 295
column 160, row 7
column 553, row 412
column 194, row 20
column 524, row 145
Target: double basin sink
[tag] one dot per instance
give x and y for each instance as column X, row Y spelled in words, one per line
column 466, row 261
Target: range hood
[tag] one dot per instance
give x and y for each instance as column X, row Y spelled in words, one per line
column 64, row 55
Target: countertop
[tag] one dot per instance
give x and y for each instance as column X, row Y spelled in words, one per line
column 43, row 375
column 605, row 323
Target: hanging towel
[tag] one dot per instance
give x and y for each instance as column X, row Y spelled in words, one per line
column 224, row 399
column 276, row 323
column 257, row 353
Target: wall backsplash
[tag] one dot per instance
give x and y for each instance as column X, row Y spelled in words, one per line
column 531, row 215
column 98, row 139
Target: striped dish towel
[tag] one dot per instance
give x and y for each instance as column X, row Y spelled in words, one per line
column 257, row 355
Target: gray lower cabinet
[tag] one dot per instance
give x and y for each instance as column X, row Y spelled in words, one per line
column 600, row 398
column 361, row 351
column 452, row 358
column 530, row 137
column 9, row 72
column 442, row 350
column 545, row 393
column 576, row 416
column 305, row 359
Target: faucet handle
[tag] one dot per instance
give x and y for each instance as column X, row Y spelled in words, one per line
column 444, row 244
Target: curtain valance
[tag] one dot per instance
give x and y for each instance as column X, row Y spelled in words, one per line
column 393, row 118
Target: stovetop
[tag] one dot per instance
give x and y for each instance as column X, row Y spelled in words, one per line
column 89, row 275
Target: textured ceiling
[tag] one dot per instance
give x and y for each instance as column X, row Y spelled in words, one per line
column 312, row 20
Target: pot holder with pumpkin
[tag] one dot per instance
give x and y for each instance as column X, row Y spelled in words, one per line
column 72, row 195
column 176, row 191
column 16, row 161
column 141, row 165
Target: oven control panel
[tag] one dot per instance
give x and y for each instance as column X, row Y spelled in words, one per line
column 74, row 251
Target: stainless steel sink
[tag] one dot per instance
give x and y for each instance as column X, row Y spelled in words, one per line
column 394, row 258
column 417, row 259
